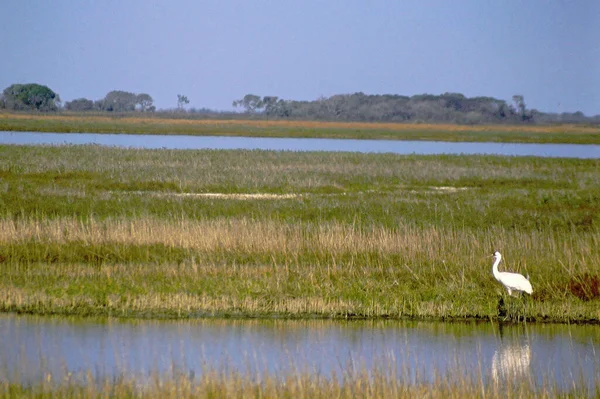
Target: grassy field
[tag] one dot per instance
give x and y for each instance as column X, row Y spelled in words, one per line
column 92, row 230
column 149, row 124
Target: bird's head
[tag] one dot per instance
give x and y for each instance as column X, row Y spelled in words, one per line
column 497, row 255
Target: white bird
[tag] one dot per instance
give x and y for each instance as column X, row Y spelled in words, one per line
column 512, row 281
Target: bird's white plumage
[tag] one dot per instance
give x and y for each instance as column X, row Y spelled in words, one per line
column 512, row 281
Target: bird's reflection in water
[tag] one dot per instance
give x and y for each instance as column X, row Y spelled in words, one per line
column 511, row 360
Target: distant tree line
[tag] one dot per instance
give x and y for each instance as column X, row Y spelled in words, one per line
column 35, row 97
column 444, row 108
column 114, row 101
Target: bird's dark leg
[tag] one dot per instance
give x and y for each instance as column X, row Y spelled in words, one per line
column 501, row 308
column 523, row 298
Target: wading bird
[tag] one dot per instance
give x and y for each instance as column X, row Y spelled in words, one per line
column 512, row 281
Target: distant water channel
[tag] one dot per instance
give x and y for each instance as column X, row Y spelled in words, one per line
column 302, row 144
column 33, row 347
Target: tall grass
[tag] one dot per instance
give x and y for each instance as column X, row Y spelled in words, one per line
column 383, row 382
column 148, row 233
column 244, row 267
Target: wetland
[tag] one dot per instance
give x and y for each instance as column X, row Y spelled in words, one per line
column 197, row 242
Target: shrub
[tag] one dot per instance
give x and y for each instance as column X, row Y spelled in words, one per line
column 585, row 286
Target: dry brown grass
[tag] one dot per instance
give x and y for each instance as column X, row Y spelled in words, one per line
column 570, row 253
column 272, row 236
column 566, row 128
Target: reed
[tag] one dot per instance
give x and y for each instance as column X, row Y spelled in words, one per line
column 332, row 271
column 383, row 382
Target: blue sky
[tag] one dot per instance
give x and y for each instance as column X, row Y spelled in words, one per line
column 217, row 51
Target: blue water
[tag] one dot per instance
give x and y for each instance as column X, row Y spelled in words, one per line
column 302, row 144
column 33, row 346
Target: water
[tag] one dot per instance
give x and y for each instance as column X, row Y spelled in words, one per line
column 303, row 144
column 33, row 346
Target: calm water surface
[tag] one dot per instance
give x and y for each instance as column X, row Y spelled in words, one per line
column 302, row 144
column 32, row 346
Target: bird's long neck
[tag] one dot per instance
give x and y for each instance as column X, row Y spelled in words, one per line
column 495, row 268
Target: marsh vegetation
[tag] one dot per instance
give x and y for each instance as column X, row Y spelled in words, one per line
column 383, row 383
column 240, row 125
column 92, row 230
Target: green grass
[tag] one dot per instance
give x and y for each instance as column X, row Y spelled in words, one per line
column 91, row 230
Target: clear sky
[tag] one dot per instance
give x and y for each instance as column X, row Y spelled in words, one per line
column 216, row 51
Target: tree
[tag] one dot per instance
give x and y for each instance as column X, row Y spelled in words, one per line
column 118, row 101
column 80, row 104
column 250, row 102
column 31, row 96
column 181, row 101
column 145, row 102
column 519, row 102
column 521, row 110
column 269, row 103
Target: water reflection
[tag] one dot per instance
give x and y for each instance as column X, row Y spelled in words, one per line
column 34, row 346
column 303, row 144
column 511, row 361
column 512, row 357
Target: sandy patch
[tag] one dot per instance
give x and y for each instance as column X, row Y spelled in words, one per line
column 267, row 196
column 438, row 190
column 447, row 189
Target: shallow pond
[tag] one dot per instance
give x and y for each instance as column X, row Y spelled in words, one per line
column 303, row 144
column 33, row 346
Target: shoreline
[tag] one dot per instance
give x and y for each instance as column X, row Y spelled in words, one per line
column 155, row 125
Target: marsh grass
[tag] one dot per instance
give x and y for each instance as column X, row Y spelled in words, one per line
column 353, row 188
column 148, row 124
column 243, row 267
column 96, row 231
column 385, row 381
